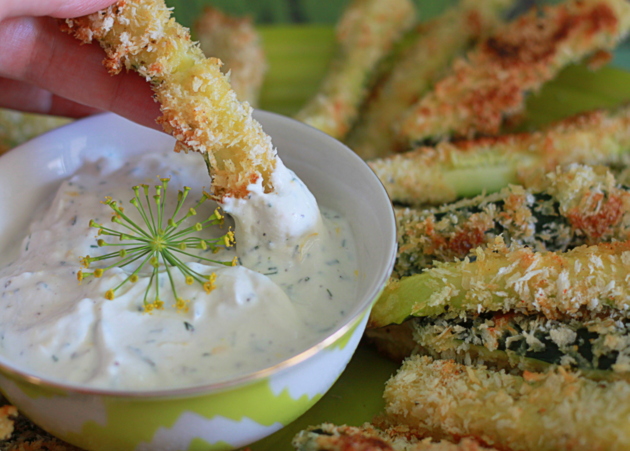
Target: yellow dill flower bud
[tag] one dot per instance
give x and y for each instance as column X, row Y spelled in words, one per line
column 158, row 304
column 133, row 278
column 210, row 284
column 189, row 280
column 229, row 239
column 79, row 275
column 109, row 295
column 235, row 261
column 181, row 305
column 98, row 272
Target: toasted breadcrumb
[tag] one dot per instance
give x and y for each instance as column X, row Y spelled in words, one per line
column 598, row 347
column 365, row 33
column 555, row 410
column 568, row 207
column 520, row 57
column 7, row 413
column 437, row 42
column 579, row 283
column 199, row 107
column 468, row 168
column 235, row 41
column 328, row 437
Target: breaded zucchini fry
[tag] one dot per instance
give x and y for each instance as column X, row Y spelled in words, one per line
column 365, row 33
column 582, row 282
column 571, row 206
column 17, row 127
column 598, row 347
column 328, row 437
column 468, row 168
column 199, row 107
column 235, row 41
column 437, row 42
column 491, row 83
column 556, row 410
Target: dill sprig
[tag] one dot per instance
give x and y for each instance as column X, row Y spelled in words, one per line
column 157, row 244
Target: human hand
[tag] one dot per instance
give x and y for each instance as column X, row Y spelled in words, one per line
column 43, row 70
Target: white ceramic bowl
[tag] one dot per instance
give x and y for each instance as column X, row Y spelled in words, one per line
column 216, row 416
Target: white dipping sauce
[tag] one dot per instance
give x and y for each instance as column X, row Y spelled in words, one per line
column 298, row 280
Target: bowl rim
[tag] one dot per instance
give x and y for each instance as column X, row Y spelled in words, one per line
column 350, row 322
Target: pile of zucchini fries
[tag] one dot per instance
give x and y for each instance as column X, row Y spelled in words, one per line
column 510, row 298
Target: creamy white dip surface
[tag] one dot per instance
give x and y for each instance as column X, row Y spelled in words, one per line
column 296, row 284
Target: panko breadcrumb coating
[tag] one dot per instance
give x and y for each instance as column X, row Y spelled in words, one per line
column 580, row 283
column 599, row 347
column 199, row 107
column 468, row 168
column 235, row 41
column 571, row 206
column 328, row 437
column 365, row 33
column 537, row 412
column 436, row 43
column 490, row 84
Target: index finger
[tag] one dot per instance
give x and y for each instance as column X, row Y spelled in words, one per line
column 54, row 8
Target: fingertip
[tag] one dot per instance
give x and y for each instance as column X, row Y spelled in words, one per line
column 55, row 8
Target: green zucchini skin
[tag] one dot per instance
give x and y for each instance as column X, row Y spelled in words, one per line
column 599, row 347
column 467, row 168
column 569, row 207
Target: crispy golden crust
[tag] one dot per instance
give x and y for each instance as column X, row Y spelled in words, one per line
column 556, row 410
column 492, row 81
column 235, row 41
column 199, row 107
column 436, row 44
column 580, row 283
column 365, row 34
column 19, row 434
column 328, row 437
column 466, row 168
column 571, row 206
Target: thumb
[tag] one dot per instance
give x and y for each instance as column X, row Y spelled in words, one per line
column 54, row 8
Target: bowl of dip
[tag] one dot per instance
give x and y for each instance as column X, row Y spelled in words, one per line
column 232, row 368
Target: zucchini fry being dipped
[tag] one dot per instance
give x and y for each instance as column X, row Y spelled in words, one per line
column 273, row 210
column 468, row 168
column 491, row 83
column 365, row 33
column 550, row 411
column 199, row 107
column 435, row 44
